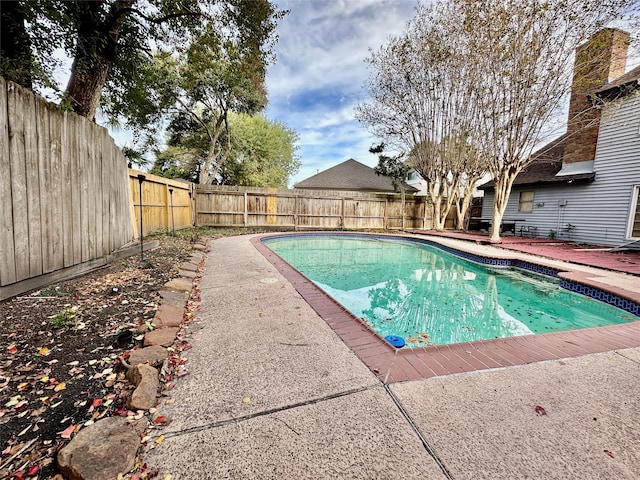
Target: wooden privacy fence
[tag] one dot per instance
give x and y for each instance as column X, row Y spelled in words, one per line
column 166, row 204
column 224, row 206
column 63, row 191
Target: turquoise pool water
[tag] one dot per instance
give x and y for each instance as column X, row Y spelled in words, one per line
column 428, row 296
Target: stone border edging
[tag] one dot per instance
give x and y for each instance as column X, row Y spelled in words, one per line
column 119, row 438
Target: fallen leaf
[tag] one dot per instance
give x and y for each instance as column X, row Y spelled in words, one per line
column 609, row 453
column 12, row 349
column 66, row 433
column 96, row 403
column 33, row 471
column 23, row 386
column 60, row 386
column 44, row 351
column 246, row 400
column 160, row 439
column 45, row 379
column 13, row 401
column 539, row 410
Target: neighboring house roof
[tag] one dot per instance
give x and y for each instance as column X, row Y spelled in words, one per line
column 546, row 164
column 352, row 176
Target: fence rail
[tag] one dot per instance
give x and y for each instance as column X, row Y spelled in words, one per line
column 220, row 206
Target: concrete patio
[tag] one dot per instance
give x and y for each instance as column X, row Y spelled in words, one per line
column 274, row 392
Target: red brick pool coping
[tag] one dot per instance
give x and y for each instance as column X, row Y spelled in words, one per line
column 393, row 365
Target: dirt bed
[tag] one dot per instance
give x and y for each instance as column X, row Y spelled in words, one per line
column 59, row 349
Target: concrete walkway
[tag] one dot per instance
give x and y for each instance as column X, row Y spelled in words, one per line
column 273, row 393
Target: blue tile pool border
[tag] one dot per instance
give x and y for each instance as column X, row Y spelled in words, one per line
column 627, row 305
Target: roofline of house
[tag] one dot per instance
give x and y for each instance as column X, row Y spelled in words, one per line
column 570, row 180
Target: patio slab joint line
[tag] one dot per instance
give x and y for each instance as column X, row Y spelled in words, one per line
column 617, row 352
column 414, row 427
column 231, row 421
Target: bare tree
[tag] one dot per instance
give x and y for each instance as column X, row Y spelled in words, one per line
column 472, row 76
column 521, row 54
column 421, row 104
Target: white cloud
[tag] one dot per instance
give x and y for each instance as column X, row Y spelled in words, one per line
column 321, row 70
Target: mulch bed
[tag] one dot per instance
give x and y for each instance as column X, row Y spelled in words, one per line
column 59, row 349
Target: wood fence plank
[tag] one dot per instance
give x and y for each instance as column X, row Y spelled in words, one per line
column 46, row 189
column 93, row 188
column 59, row 189
column 84, row 172
column 7, row 251
column 120, row 171
column 18, row 181
column 102, row 163
column 75, row 172
column 68, row 242
column 33, row 183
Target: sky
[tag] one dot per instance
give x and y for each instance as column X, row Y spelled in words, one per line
column 320, row 73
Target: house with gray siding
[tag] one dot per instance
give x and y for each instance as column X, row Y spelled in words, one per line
column 585, row 185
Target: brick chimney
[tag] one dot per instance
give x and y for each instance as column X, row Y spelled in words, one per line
column 598, row 61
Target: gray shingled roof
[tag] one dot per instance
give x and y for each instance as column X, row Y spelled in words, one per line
column 545, row 166
column 351, row 176
column 621, row 86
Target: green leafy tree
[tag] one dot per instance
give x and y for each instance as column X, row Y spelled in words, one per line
column 262, row 153
column 395, row 168
column 111, row 43
column 218, row 73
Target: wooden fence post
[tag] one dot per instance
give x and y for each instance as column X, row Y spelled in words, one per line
column 166, row 201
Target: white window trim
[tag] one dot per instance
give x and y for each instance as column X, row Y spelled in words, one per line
column 635, row 191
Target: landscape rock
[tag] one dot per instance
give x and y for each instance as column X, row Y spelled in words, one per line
column 196, row 258
column 189, row 266
column 103, row 450
column 168, row 316
column 200, row 247
column 162, row 336
column 153, row 355
column 179, row 285
column 145, row 377
column 178, row 299
column 187, row 274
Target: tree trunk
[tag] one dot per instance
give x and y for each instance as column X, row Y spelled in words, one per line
column 403, row 196
column 462, row 207
column 503, row 182
column 16, row 62
column 96, row 52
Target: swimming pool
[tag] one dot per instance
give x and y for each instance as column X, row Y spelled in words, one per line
column 428, row 296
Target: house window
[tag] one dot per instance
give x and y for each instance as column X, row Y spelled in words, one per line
column 635, row 214
column 526, row 202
